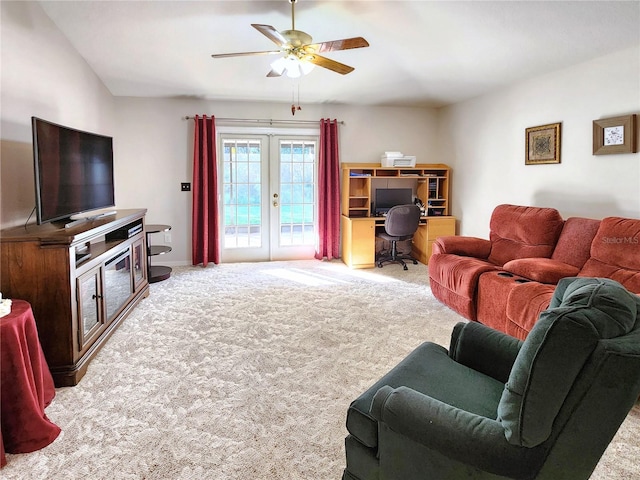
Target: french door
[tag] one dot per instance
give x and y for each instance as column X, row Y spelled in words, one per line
column 268, row 197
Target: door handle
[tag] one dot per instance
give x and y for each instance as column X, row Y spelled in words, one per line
column 275, row 200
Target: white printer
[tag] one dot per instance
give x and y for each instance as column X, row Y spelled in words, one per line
column 397, row 159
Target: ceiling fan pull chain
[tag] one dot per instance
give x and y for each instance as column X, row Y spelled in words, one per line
column 293, row 100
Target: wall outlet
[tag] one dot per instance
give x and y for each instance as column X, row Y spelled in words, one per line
column 185, row 187
column 167, row 237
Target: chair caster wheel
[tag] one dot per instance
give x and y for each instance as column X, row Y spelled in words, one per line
column 405, row 267
column 415, row 262
column 379, row 265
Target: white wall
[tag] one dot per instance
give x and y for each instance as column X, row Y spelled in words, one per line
column 43, row 76
column 484, row 141
column 154, row 149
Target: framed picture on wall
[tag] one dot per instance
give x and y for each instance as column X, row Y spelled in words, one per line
column 542, row 144
column 615, row 135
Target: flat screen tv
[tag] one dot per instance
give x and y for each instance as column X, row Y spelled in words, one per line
column 73, row 171
column 390, row 197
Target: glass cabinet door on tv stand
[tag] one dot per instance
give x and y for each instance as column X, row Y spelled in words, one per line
column 157, row 273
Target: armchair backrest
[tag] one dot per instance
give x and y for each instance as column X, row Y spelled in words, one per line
column 402, row 220
column 590, row 323
column 522, row 232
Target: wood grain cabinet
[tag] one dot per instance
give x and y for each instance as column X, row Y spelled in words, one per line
column 430, row 183
column 358, row 242
column 81, row 282
column 427, row 233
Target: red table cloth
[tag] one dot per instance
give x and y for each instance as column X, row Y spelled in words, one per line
column 26, row 385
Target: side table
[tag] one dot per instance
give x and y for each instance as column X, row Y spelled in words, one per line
column 27, row 385
column 157, row 273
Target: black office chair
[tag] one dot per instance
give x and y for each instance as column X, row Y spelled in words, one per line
column 400, row 225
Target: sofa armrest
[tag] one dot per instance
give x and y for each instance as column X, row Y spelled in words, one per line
column 543, row 270
column 455, row 433
column 465, row 246
column 484, row 349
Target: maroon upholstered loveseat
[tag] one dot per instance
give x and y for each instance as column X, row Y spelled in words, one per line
column 506, row 281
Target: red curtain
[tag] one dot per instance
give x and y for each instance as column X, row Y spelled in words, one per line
column 204, row 230
column 328, row 192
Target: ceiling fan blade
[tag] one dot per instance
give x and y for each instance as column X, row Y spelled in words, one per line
column 271, row 33
column 245, row 54
column 332, row 46
column 325, row 62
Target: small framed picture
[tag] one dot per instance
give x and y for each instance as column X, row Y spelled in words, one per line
column 542, row 144
column 615, row 135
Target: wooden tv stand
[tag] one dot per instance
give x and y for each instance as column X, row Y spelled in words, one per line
column 81, row 283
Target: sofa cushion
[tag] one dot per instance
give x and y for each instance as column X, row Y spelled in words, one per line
column 543, row 270
column 588, row 309
column 574, row 244
column 521, row 232
column 615, row 252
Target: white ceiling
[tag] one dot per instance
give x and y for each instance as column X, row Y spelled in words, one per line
column 422, row 53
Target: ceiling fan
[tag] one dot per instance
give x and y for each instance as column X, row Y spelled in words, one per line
column 299, row 54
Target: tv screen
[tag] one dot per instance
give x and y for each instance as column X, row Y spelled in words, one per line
column 390, row 197
column 73, row 171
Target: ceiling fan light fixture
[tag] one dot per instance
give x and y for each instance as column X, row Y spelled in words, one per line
column 279, row 66
column 306, row 67
column 292, row 66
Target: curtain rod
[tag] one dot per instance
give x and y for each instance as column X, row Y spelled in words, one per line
column 270, row 121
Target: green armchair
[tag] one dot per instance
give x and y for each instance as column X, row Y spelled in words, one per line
column 494, row 407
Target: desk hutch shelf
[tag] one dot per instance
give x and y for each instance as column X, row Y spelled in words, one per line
column 430, row 182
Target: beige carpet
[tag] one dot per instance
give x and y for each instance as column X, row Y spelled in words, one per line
column 245, row 371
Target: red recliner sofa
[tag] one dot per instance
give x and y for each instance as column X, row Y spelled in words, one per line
column 507, row 281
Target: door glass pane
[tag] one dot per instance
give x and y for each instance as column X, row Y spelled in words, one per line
column 242, row 193
column 89, row 302
column 297, row 192
column 138, row 259
column 117, row 283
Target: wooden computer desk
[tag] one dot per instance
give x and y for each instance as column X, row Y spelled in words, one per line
column 430, row 183
column 359, row 238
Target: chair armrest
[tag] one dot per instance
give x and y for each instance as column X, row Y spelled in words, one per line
column 465, row 246
column 455, row 433
column 484, row 349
